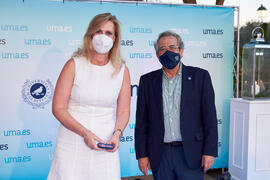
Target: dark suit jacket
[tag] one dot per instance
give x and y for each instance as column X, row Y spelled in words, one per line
column 197, row 117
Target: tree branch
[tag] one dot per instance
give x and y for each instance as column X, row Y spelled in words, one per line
column 220, row 2
column 190, row 1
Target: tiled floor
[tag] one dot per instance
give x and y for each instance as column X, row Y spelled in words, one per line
column 210, row 175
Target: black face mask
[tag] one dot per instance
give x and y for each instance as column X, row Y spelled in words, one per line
column 169, row 59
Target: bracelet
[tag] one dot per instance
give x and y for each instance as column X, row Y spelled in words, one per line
column 118, row 130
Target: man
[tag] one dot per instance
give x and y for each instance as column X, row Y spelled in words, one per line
column 176, row 123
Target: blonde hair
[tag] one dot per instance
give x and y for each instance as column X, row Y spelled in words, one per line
column 94, row 26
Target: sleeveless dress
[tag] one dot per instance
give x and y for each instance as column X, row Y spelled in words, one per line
column 93, row 103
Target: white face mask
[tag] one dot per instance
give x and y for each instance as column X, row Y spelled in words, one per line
column 102, row 43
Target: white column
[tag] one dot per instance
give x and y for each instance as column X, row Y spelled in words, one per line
column 249, row 149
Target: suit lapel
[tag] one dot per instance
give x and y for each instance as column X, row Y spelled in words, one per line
column 157, row 89
column 187, row 78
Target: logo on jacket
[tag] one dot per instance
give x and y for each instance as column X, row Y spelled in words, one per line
column 37, row 93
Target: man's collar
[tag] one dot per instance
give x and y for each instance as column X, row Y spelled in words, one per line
column 178, row 72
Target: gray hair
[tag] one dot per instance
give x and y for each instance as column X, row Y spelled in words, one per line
column 169, row 33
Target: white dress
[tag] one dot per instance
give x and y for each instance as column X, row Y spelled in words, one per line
column 92, row 103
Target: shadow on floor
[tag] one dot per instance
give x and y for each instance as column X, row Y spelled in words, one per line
column 213, row 174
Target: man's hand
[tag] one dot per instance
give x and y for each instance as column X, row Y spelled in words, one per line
column 207, row 162
column 144, row 164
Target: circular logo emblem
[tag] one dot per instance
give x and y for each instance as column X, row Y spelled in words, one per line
column 37, row 93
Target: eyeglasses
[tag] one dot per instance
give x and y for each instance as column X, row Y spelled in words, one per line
column 171, row 48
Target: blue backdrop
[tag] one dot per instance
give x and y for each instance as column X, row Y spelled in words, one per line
column 37, row 37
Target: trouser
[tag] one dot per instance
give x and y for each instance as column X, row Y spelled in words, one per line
column 173, row 166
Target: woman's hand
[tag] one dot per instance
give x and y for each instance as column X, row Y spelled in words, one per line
column 114, row 141
column 91, row 140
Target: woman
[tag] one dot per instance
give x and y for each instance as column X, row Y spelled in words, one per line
column 91, row 85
